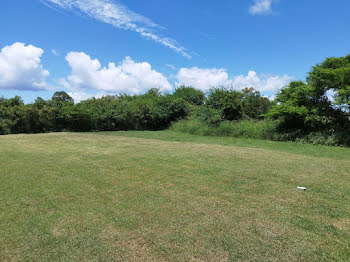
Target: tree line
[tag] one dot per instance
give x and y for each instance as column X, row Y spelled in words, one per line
column 151, row 111
column 299, row 110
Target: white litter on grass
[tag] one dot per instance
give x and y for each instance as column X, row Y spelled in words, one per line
column 301, row 188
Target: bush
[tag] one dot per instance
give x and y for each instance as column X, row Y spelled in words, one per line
column 209, row 116
column 244, row 128
column 227, row 102
column 190, row 94
column 4, row 127
column 254, row 105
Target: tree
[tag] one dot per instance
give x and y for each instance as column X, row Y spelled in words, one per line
column 40, row 103
column 296, row 107
column 254, row 105
column 193, row 96
column 227, row 102
column 62, row 97
column 154, row 92
column 333, row 74
column 307, row 107
column 301, row 107
column 5, row 117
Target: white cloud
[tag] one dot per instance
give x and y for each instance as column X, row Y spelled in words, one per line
column 118, row 15
column 271, row 97
column 54, row 52
column 261, row 7
column 202, row 79
column 82, row 95
column 21, row 68
column 205, row 79
column 262, row 82
column 331, row 95
column 128, row 77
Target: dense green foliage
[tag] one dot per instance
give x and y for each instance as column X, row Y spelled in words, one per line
column 151, row 111
column 191, row 95
column 257, row 129
column 333, row 74
column 305, row 110
column 228, row 104
column 301, row 111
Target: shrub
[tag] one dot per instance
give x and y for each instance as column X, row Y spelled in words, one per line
column 254, row 105
column 190, row 94
column 244, row 128
column 227, row 102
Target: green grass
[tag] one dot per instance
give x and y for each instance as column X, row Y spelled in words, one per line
column 165, row 196
column 290, row 147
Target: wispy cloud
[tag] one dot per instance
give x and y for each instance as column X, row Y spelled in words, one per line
column 261, row 7
column 118, row 15
column 172, row 67
column 54, row 52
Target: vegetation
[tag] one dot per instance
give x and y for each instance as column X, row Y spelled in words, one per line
column 120, row 196
column 244, row 128
column 301, row 112
column 150, row 111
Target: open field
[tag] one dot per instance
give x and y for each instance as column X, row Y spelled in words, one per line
column 163, row 196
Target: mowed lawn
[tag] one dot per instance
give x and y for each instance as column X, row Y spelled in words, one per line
column 163, row 196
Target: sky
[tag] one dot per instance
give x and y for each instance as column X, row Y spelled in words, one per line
column 100, row 47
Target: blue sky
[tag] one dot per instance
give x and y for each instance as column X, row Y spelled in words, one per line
column 98, row 47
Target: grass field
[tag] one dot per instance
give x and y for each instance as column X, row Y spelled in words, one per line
column 164, row 196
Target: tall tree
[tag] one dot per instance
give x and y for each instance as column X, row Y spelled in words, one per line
column 62, row 97
column 333, row 74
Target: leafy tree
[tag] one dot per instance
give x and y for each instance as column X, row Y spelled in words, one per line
column 40, row 103
column 255, row 106
column 5, row 118
column 228, row 102
column 300, row 107
column 61, row 98
column 62, row 105
column 193, row 96
column 154, row 92
column 306, row 109
column 297, row 106
column 333, row 74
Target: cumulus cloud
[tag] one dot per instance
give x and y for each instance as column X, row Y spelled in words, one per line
column 21, row 68
column 262, row 82
column 205, row 79
column 202, row 78
column 82, row 95
column 118, row 15
column 127, row 77
column 261, row 7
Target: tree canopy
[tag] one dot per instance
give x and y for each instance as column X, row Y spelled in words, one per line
column 333, row 74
